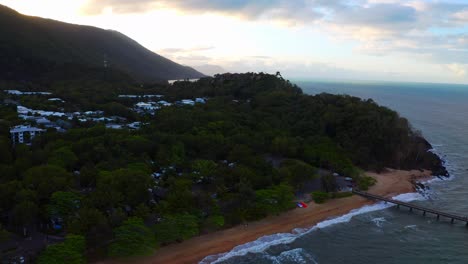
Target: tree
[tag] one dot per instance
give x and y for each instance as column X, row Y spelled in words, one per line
column 177, row 227
column 297, row 172
column 138, row 145
column 47, row 179
column 204, row 169
column 285, row 146
column 87, row 221
column 63, row 204
column 132, row 238
column 180, row 198
column 71, row 251
column 128, row 186
column 4, row 235
column 5, row 153
column 63, row 157
column 8, row 193
column 215, row 221
column 274, row 200
column 25, row 213
column 88, row 175
column 329, row 183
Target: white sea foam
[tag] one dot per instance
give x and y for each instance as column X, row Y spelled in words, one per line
column 266, row 242
column 297, row 255
column 408, row 197
column 256, row 246
column 378, row 221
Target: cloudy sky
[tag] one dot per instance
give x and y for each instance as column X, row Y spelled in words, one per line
column 393, row 40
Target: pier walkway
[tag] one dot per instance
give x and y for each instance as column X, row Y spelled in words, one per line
column 412, row 207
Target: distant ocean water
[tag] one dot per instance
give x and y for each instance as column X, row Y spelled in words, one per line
column 380, row 233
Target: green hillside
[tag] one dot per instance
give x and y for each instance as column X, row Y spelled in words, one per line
column 33, row 48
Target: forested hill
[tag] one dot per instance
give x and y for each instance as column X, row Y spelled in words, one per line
column 32, row 47
column 369, row 135
column 242, row 151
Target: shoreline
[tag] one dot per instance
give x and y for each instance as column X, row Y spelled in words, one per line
column 389, row 184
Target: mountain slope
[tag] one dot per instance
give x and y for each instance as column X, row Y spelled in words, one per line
column 35, row 46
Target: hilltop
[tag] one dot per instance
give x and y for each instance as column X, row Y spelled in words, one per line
column 38, row 49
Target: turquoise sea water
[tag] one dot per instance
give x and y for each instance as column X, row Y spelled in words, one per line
column 379, row 233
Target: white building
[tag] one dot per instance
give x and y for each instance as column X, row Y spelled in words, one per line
column 114, row 126
column 24, row 134
column 200, row 100
column 164, row 103
column 146, row 106
column 56, row 100
column 187, row 102
column 14, row 92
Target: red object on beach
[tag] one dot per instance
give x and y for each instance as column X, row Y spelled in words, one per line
column 304, row 205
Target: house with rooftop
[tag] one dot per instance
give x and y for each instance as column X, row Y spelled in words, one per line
column 24, row 134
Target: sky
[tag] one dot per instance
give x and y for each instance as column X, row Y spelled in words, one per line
column 388, row 40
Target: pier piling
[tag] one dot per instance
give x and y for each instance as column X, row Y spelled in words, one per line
column 425, row 210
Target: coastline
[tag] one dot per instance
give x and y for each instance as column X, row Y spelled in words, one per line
column 389, row 184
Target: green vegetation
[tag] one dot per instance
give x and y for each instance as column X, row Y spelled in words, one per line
column 337, row 195
column 4, row 235
column 365, row 182
column 321, row 197
column 176, row 228
column 192, row 169
column 71, row 251
column 132, row 238
column 37, row 49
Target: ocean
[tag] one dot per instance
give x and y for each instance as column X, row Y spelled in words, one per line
column 382, row 233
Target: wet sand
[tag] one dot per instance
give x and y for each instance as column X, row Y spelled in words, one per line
column 389, row 184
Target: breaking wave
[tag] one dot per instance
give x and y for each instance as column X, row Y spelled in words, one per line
column 265, row 242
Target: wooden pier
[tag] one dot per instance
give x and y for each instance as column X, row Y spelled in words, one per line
column 414, row 207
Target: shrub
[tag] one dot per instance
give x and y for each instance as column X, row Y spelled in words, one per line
column 365, row 182
column 320, row 197
column 341, row 194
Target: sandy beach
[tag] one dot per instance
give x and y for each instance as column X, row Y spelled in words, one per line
column 389, row 184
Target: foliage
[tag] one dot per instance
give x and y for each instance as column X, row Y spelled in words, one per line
column 4, row 235
column 238, row 157
column 329, row 183
column 320, row 197
column 215, row 221
column 63, row 157
column 63, row 203
column 365, row 182
column 297, row 172
column 177, row 227
column 341, row 195
column 132, row 238
column 71, row 251
column 274, row 200
column 86, row 221
column 47, row 179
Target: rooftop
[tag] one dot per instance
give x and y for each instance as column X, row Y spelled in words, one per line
column 22, row 128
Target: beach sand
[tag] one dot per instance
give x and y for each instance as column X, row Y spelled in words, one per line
column 389, row 184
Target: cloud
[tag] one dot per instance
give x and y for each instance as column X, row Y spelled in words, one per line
column 192, row 57
column 185, row 50
column 461, row 16
column 458, row 69
column 189, row 56
column 377, row 15
column 246, row 9
column 430, row 30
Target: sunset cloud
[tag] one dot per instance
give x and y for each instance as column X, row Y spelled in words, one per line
column 348, row 36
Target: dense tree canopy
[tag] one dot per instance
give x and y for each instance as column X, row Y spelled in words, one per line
column 71, row 251
column 191, row 169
